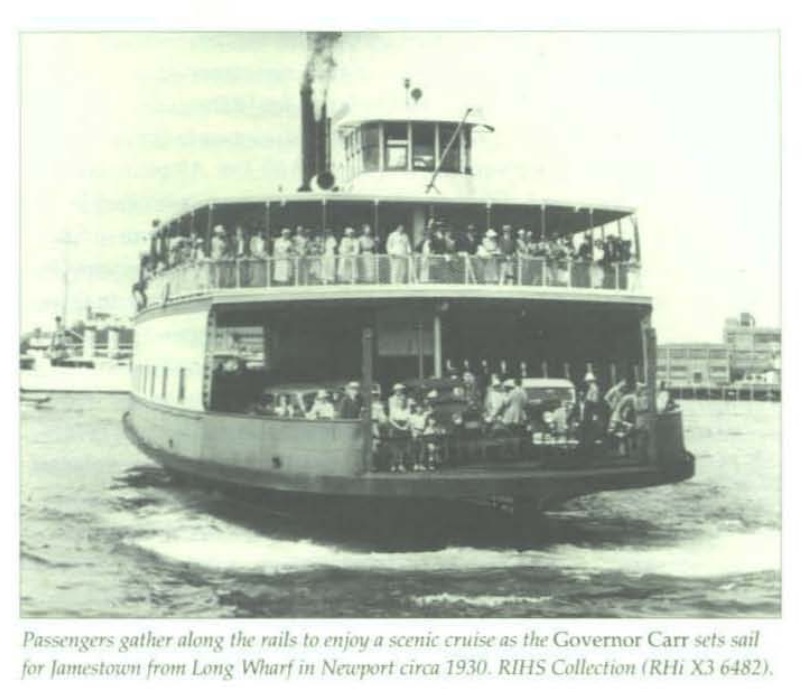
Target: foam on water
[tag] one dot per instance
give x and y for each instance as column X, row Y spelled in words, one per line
column 227, row 547
column 480, row 601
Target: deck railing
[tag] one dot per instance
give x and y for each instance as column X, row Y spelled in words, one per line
column 373, row 269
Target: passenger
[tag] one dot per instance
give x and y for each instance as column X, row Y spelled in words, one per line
column 470, row 387
column 218, row 246
column 433, row 436
column 241, row 242
column 257, row 245
column 489, row 251
column 521, row 245
column 417, row 419
column 348, row 252
column 665, row 401
column 597, row 268
column 591, row 429
column 199, row 254
column 283, row 248
column 514, row 406
column 449, row 242
column 315, row 250
column 284, row 407
column 495, row 399
column 366, row 248
column 350, row 406
column 437, row 250
column 466, row 242
column 508, row 246
column 399, row 429
column 614, row 395
column 329, row 254
column 622, row 423
column 398, row 248
column 380, row 436
column 300, row 250
column 322, row 407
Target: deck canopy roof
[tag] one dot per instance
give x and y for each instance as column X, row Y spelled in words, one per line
column 337, row 210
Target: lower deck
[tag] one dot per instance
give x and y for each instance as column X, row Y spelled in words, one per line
column 326, row 459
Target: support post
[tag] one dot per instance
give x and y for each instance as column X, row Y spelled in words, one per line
column 437, row 344
column 650, row 341
column 366, row 396
column 420, row 351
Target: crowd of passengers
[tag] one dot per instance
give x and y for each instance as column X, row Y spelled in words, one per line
column 411, row 433
column 346, row 256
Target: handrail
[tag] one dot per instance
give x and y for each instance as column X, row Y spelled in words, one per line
column 198, row 277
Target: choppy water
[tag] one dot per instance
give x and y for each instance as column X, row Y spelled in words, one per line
column 106, row 533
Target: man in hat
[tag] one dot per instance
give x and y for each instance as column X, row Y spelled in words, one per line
column 351, row 404
column 591, row 429
column 322, row 408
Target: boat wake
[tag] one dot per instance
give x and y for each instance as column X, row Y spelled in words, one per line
column 190, row 538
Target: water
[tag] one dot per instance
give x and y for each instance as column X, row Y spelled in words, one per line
column 106, row 533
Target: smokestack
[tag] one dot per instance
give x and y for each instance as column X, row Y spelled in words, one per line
column 313, row 96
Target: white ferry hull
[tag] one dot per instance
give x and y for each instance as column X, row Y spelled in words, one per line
column 111, row 379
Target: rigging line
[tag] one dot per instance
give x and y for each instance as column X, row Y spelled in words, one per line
column 432, row 183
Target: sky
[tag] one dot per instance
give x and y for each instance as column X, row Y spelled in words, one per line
column 120, row 128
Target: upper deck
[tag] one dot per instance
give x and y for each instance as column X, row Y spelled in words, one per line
column 336, row 245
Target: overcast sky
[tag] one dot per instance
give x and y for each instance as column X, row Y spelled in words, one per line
column 120, row 128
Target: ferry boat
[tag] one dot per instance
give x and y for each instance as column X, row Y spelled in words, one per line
column 227, row 329
column 57, row 364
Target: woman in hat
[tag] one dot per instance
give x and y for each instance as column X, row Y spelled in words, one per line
column 366, row 248
column 283, row 249
column 329, row 253
column 348, row 252
column 322, row 408
column 489, row 251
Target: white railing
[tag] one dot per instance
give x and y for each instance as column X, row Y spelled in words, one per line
column 372, row 269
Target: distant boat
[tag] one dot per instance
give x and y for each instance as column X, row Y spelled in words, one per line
column 94, row 376
column 55, row 367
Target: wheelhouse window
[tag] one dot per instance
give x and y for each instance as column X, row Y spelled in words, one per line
column 153, row 381
column 370, row 146
column 396, row 146
column 451, row 158
column 423, row 146
column 164, row 383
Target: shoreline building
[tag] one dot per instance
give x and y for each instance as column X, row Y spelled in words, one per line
column 749, row 354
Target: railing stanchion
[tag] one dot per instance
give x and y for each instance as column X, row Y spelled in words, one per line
column 296, row 271
column 519, row 270
column 570, row 273
column 237, row 273
column 617, row 276
column 544, row 272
